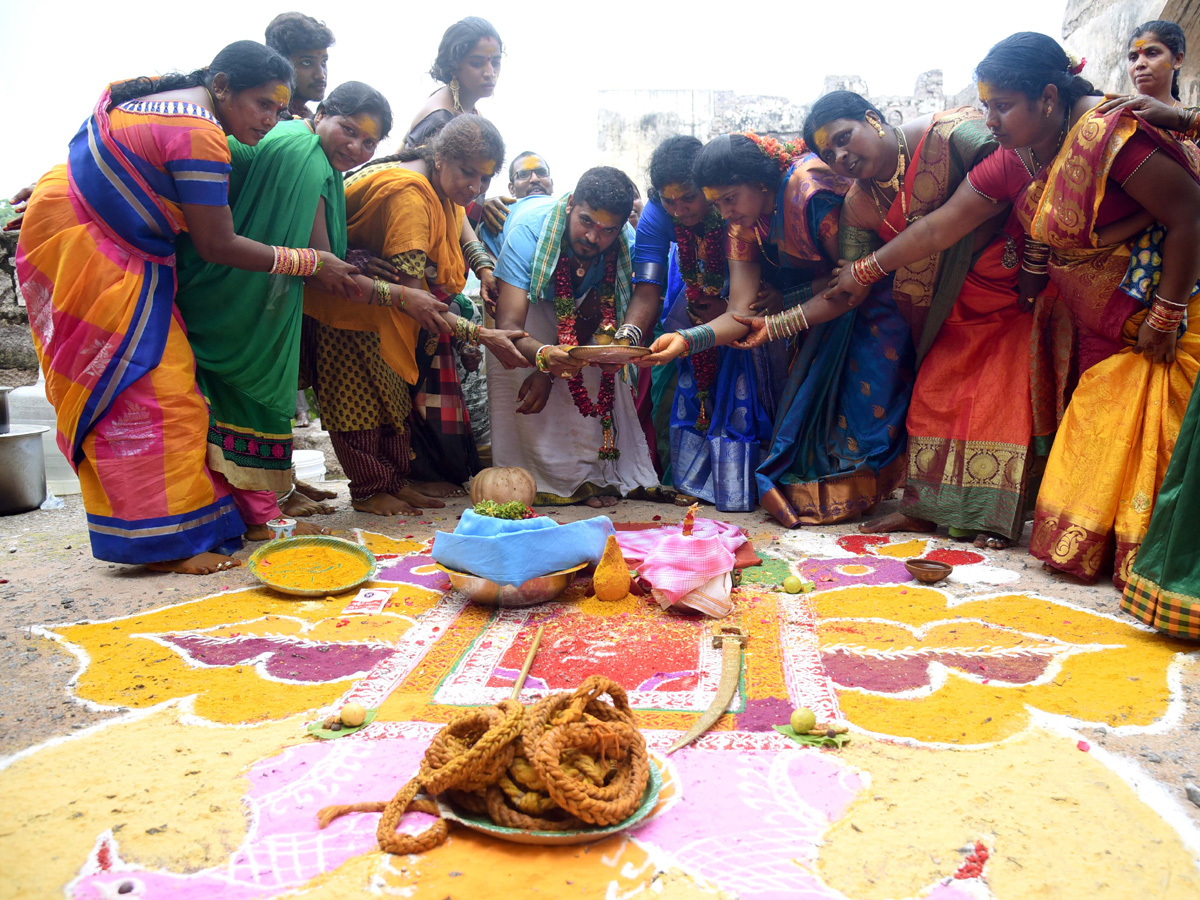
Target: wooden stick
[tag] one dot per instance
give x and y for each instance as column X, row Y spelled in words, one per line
column 533, row 648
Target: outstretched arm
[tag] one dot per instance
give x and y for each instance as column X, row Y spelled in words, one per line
column 211, row 230
column 965, row 211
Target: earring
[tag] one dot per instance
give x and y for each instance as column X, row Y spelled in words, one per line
column 1049, row 108
column 454, row 89
column 878, row 127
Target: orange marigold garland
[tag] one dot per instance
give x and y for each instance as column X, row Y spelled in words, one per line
column 783, row 152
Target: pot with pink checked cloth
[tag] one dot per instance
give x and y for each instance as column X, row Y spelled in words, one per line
column 690, row 571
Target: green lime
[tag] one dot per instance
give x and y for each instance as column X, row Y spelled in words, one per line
column 792, row 584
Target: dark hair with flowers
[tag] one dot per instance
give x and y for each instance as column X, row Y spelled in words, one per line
column 837, row 105
column 735, row 159
column 606, row 188
column 671, row 162
column 1028, row 61
column 783, row 152
column 1171, row 36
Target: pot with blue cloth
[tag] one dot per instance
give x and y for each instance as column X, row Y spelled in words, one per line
column 505, row 562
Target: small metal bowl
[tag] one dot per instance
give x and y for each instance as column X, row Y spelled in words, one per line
column 529, row 593
column 928, row 571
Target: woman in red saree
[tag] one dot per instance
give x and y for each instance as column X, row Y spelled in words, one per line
column 1077, row 179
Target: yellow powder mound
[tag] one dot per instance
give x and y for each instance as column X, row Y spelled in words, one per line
column 611, row 581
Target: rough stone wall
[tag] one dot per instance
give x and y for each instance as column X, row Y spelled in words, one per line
column 16, row 343
column 632, row 123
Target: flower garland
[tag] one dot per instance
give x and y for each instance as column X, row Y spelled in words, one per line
column 784, row 153
column 564, row 310
column 698, row 285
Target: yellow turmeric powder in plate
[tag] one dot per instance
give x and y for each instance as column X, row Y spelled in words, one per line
column 310, row 566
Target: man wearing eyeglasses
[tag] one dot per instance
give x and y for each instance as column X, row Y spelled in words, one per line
column 528, row 176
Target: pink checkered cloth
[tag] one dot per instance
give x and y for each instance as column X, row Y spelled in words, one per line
column 686, row 571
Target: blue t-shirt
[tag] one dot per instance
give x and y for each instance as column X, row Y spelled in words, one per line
column 522, row 230
column 655, row 235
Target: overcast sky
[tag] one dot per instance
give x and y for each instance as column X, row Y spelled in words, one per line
column 58, row 57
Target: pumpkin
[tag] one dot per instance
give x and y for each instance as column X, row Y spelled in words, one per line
column 611, row 581
column 502, row 484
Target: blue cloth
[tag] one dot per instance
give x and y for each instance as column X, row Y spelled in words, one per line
column 718, row 466
column 655, row 236
column 845, row 403
column 495, row 241
column 511, row 552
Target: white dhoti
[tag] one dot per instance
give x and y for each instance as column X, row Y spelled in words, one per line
column 558, row 445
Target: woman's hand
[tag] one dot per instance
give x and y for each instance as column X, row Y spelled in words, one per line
column 757, row 335
column 502, row 345
column 666, row 348
column 336, row 276
column 561, row 363
column 768, row 301
column 845, row 283
column 489, row 290
column 18, row 201
column 422, row 306
column 1153, row 111
column 534, row 392
column 1029, row 286
column 1158, row 346
column 495, row 212
column 381, row 269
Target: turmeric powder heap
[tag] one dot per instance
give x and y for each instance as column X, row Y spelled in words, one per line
column 313, row 568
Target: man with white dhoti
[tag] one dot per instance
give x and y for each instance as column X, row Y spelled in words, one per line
column 564, row 271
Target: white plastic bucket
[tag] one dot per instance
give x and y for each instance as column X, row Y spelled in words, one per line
column 310, row 464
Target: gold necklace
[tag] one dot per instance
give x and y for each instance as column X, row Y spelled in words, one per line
column 896, row 182
column 1061, row 137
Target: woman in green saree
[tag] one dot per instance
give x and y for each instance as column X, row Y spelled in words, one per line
column 244, row 327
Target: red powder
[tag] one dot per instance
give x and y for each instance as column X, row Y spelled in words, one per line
column 858, row 543
column 955, row 557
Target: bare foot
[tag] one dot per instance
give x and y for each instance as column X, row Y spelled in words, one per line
column 263, row 533
column 311, row 492
column 298, row 506
column 898, row 521
column 382, row 504
column 200, row 564
column 988, row 540
column 439, row 489
column 601, row 502
column 411, row 495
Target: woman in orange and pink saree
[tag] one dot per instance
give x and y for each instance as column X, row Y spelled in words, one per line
column 96, row 262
